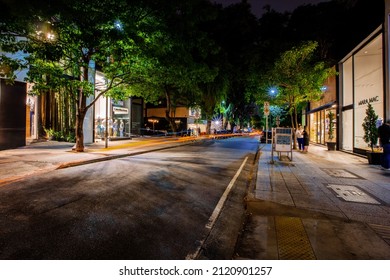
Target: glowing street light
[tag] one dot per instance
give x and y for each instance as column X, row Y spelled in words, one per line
column 50, row 36
column 118, row 25
column 273, row 91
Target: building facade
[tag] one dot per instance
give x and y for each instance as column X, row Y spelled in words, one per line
column 363, row 79
column 116, row 119
column 18, row 110
column 318, row 114
column 187, row 120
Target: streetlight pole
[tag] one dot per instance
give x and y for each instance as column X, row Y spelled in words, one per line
column 266, row 114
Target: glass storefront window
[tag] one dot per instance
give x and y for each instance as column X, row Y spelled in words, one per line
column 327, row 126
column 347, row 82
column 117, row 125
column 120, row 119
column 319, row 126
column 321, row 130
column 347, row 141
column 100, row 128
column 313, row 127
column 368, row 86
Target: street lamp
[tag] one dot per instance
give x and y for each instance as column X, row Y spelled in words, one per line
column 273, row 91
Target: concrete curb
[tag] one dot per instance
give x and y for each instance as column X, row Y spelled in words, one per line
column 221, row 241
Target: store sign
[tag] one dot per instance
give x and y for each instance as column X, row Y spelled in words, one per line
column 120, row 110
column 368, row 100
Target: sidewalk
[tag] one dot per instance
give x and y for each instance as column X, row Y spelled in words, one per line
column 321, row 205
column 41, row 157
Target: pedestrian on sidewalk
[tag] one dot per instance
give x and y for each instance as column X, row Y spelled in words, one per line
column 299, row 135
column 384, row 136
column 306, row 140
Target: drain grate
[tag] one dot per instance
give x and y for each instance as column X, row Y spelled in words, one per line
column 293, row 243
column 352, row 194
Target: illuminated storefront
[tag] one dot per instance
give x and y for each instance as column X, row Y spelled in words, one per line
column 120, row 119
column 31, row 118
column 361, row 82
column 318, row 115
column 123, row 118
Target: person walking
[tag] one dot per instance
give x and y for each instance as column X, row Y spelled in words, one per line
column 384, row 137
column 306, row 140
column 299, row 135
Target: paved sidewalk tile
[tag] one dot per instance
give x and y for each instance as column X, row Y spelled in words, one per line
column 340, row 200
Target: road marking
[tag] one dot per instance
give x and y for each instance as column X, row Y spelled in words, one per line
column 217, row 211
column 223, row 198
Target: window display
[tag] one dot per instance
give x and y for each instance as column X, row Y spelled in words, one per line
column 368, row 85
column 118, row 125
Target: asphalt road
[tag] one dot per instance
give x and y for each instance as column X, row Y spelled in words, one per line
column 149, row 206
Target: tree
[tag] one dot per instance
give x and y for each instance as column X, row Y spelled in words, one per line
column 331, row 117
column 236, row 33
column 369, row 126
column 64, row 39
column 213, row 93
column 299, row 78
column 180, row 66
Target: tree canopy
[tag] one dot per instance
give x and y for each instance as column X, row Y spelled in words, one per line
column 191, row 53
column 298, row 78
column 133, row 43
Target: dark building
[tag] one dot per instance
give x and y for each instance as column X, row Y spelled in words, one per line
column 12, row 115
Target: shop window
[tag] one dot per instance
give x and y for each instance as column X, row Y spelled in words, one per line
column 368, row 85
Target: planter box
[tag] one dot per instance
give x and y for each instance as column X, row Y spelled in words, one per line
column 331, row 146
column 374, row 158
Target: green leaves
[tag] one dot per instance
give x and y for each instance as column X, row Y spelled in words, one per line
column 369, row 126
column 299, row 76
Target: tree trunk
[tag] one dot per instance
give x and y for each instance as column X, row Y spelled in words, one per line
column 168, row 110
column 208, row 127
column 41, row 115
column 292, row 116
column 295, row 126
column 80, row 114
column 79, row 147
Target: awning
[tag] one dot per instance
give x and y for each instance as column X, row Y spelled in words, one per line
column 323, row 107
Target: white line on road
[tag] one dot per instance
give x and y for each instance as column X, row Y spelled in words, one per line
column 217, row 210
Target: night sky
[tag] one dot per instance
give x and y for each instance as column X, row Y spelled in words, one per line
column 278, row 5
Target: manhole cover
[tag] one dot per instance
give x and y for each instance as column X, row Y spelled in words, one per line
column 352, row 194
column 340, row 173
